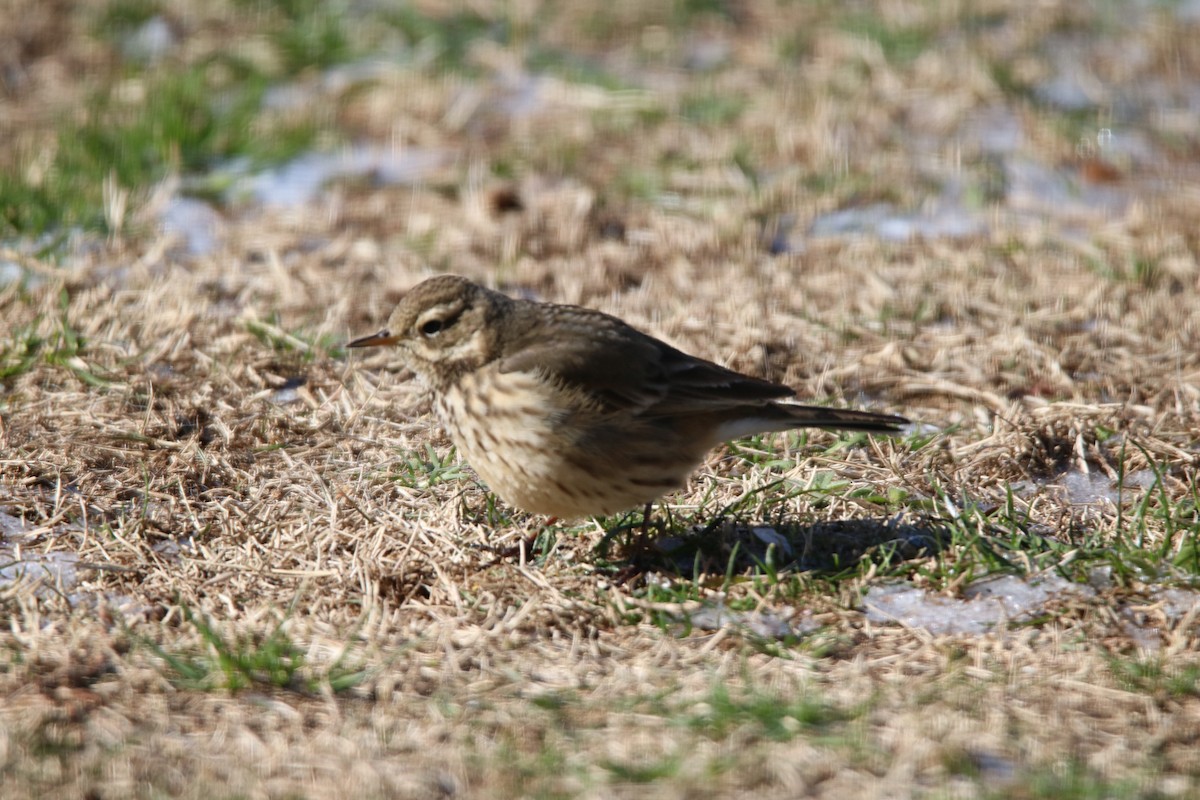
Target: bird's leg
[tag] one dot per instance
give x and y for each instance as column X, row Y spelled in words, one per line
column 641, row 544
column 638, row 561
column 638, row 546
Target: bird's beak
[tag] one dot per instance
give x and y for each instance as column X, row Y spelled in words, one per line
column 375, row 339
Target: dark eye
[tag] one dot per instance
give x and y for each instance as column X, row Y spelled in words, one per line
column 431, row 328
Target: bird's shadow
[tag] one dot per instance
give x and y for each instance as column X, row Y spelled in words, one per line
column 735, row 545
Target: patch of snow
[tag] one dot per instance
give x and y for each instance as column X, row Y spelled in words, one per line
column 986, row 603
column 299, row 181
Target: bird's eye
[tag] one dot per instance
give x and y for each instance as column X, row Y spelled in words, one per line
column 431, row 328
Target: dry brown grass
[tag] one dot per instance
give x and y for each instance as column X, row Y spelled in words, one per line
column 189, row 439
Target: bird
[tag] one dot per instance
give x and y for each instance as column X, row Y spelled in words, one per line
column 570, row 412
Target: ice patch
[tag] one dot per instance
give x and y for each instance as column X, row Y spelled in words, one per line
column 1020, row 597
column 1089, row 488
column 1177, row 603
column 11, row 526
column 944, row 218
column 151, row 42
column 764, row 624
column 10, row 273
column 986, row 603
column 197, row 223
column 300, row 181
column 171, row 549
column 55, row 571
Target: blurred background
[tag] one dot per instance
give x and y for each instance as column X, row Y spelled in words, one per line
column 765, row 123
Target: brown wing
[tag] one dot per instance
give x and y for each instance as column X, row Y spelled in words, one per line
column 624, row 369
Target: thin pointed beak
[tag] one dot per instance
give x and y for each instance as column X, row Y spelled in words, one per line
column 375, row 339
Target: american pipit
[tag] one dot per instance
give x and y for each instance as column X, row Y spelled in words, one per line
column 570, row 412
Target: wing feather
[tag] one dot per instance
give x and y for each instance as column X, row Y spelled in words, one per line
column 623, row 369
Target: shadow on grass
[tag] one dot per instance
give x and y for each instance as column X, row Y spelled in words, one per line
column 734, row 545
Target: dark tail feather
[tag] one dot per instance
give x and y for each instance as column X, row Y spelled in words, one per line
column 839, row 419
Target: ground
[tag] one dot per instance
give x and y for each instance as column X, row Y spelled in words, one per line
column 241, row 561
